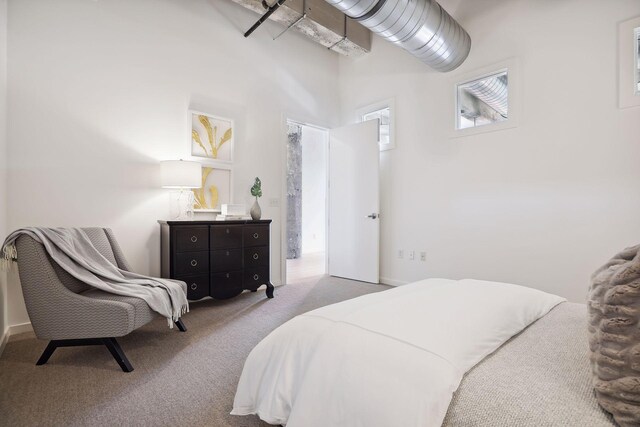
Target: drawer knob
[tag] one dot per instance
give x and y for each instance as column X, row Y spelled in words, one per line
column 256, row 235
column 256, row 277
column 194, row 286
column 255, row 256
column 227, row 231
column 227, row 253
column 194, row 239
column 227, row 275
column 194, row 263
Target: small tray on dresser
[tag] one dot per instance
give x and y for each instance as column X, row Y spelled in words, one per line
column 219, row 259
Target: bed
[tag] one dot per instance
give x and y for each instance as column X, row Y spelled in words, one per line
column 425, row 354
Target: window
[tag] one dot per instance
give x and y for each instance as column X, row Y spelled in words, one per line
column 486, row 99
column 629, row 63
column 383, row 112
column 483, row 101
column 636, row 38
column 383, row 116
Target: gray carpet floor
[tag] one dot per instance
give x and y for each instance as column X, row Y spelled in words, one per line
column 179, row 378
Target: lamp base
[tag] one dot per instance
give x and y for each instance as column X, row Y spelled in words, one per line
column 181, row 207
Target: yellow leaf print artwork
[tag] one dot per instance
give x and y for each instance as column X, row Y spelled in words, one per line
column 212, row 137
column 200, row 193
column 214, row 196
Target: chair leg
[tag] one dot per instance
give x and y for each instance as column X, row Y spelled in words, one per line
column 46, row 354
column 181, row 326
column 110, row 343
column 118, row 354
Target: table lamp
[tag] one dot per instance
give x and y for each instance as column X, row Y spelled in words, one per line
column 181, row 175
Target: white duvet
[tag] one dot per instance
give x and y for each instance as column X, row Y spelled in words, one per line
column 392, row 358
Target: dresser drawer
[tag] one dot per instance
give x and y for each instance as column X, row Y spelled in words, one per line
column 192, row 239
column 254, row 277
column 225, row 285
column 257, row 256
column 256, row 235
column 226, row 260
column 197, row 286
column 226, row 236
column 191, row 263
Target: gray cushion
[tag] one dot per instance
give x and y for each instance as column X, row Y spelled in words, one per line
column 614, row 335
column 140, row 310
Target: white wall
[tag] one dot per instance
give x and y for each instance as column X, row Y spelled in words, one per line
column 3, row 158
column 314, row 189
column 99, row 92
column 542, row 205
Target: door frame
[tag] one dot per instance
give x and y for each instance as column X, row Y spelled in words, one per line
column 286, row 119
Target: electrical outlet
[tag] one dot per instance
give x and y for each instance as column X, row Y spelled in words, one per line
column 412, row 255
column 400, row 254
column 423, row 256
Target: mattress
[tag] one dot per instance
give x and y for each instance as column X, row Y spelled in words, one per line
column 540, row 377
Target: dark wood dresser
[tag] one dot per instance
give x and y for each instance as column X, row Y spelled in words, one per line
column 217, row 258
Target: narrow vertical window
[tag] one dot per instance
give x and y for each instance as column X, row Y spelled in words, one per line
column 636, row 60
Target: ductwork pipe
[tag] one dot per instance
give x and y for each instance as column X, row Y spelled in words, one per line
column 422, row 27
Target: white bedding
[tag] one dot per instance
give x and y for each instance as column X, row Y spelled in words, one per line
column 392, row 358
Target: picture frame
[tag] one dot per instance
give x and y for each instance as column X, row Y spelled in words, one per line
column 216, row 190
column 211, row 137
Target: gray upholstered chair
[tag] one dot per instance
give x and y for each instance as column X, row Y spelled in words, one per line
column 70, row 313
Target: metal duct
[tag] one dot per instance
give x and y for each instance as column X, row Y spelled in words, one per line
column 421, row 27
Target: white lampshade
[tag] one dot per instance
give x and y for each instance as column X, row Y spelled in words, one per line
column 180, row 174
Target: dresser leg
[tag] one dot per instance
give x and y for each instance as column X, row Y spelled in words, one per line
column 269, row 290
column 181, row 326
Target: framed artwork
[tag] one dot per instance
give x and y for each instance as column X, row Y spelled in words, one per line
column 212, row 137
column 216, row 189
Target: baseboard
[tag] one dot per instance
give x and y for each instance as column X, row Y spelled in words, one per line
column 20, row 328
column 4, row 340
column 13, row 330
column 392, row 282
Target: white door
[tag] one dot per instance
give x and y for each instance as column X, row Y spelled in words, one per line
column 354, row 202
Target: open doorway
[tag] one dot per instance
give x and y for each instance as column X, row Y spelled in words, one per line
column 306, row 223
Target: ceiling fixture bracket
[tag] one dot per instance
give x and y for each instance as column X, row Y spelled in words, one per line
column 297, row 21
column 264, row 17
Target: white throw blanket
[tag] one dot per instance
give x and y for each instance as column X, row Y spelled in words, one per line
column 72, row 250
column 392, row 358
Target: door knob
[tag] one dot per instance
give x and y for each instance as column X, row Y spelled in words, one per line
column 373, row 216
